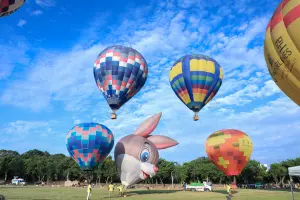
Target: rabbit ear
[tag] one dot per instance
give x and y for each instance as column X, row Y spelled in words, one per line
column 162, row 142
column 148, row 125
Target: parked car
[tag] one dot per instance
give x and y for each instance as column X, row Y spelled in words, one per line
column 199, row 187
column 259, row 185
column 18, row 181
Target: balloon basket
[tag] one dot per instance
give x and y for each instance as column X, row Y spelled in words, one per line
column 196, row 118
column 113, row 116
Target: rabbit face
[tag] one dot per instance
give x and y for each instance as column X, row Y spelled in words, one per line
column 137, row 155
column 138, row 162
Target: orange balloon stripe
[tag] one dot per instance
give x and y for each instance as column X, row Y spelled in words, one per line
column 277, row 18
column 291, row 16
column 199, row 90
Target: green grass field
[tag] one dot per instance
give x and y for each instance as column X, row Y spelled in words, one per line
column 46, row 193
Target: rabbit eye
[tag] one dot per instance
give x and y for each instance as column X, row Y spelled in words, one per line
column 145, row 155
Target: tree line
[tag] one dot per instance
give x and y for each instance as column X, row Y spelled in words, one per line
column 38, row 166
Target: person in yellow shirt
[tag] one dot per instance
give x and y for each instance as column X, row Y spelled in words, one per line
column 89, row 192
column 228, row 191
column 110, row 189
column 121, row 189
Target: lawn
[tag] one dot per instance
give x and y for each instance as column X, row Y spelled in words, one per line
column 47, row 193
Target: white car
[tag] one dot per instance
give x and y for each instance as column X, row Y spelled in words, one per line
column 18, row 181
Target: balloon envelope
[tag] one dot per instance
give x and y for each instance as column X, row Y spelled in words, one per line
column 136, row 155
column 89, row 144
column 120, row 72
column 7, row 7
column 230, row 150
column 196, row 79
column 282, row 48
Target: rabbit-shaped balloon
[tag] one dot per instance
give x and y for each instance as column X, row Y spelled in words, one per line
column 137, row 155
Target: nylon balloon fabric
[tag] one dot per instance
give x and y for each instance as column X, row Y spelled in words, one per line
column 196, row 79
column 7, row 7
column 230, row 150
column 89, row 144
column 282, row 48
column 120, row 72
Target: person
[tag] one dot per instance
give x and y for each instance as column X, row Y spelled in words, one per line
column 184, row 186
column 110, row 189
column 121, row 190
column 228, row 191
column 89, row 192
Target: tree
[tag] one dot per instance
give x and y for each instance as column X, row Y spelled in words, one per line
column 278, row 172
column 36, row 165
column 164, row 170
column 99, row 173
column 253, row 172
column 10, row 162
column 33, row 153
column 8, row 153
column 109, row 169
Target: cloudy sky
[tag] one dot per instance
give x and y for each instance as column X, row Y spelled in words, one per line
column 48, row 48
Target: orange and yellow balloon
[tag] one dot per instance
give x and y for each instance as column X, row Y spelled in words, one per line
column 230, row 150
column 282, row 48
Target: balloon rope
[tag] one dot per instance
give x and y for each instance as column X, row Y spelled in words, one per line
column 196, row 118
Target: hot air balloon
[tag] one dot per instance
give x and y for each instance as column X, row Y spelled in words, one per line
column 196, row 79
column 136, row 155
column 89, row 144
column 230, row 150
column 120, row 72
column 7, row 7
column 282, row 48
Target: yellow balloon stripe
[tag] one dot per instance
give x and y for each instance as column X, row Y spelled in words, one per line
column 221, row 73
column 202, row 65
column 294, row 32
column 285, row 48
column 289, row 6
column 175, row 71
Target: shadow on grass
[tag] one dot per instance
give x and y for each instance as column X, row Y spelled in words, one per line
column 144, row 192
column 280, row 190
column 224, row 192
column 141, row 192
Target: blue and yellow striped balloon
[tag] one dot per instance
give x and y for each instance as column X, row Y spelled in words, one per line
column 196, row 79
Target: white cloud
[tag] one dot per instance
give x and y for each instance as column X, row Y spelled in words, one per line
column 11, row 55
column 23, row 127
column 36, row 12
column 21, row 22
column 45, row 3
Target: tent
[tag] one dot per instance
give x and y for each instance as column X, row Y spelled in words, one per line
column 293, row 171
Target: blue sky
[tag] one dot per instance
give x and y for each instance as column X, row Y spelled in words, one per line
column 48, row 49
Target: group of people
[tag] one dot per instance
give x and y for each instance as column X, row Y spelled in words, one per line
column 111, row 189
